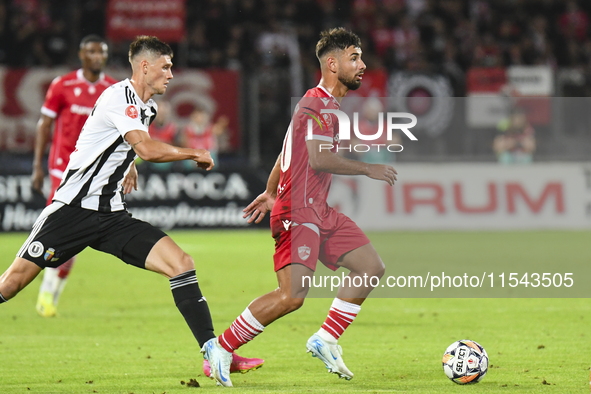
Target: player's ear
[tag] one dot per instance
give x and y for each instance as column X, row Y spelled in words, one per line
column 144, row 66
column 331, row 63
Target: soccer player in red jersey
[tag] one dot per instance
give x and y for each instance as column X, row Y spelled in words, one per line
column 305, row 227
column 68, row 103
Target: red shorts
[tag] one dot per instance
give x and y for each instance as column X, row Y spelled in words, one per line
column 312, row 238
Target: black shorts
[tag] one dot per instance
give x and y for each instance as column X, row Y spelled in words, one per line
column 69, row 230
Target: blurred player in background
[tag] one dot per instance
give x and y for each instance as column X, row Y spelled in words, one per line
column 306, row 229
column 68, row 102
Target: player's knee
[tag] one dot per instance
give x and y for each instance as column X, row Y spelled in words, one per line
column 185, row 263
column 291, row 304
column 378, row 269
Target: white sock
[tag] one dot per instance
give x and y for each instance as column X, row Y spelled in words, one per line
column 49, row 283
column 322, row 333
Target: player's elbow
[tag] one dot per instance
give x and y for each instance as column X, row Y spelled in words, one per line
column 317, row 162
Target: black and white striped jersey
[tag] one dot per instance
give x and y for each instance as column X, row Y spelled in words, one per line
column 102, row 157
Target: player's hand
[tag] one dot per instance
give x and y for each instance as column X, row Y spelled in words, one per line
column 203, row 159
column 37, row 179
column 130, row 181
column 259, row 207
column 382, row 172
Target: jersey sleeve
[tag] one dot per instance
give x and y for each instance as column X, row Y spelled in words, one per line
column 125, row 117
column 54, row 99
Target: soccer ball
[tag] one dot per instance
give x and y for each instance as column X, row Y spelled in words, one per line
column 465, row 362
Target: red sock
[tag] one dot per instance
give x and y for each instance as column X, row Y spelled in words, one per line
column 244, row 329
column 64, row 269
column 339, row 317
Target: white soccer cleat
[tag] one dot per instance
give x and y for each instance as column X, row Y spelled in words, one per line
column 330, row 354
column 219, row 360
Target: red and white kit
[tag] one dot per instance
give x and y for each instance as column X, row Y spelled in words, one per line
column 69, row 100
column 305, row 227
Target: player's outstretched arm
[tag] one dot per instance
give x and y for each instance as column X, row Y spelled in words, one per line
column 322, row 159
column 160, row 152
column 264, row 201
column 41, row 138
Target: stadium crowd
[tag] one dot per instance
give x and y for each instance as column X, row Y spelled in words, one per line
column 448, row 35
column 272, row 42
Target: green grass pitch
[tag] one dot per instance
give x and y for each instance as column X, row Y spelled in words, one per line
column 118, row 330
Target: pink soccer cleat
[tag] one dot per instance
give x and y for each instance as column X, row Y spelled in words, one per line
column 239, row 364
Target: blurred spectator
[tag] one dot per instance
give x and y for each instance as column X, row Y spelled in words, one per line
column 202, row 133
column 369, row 124
column 515, row 143
column 163, row 128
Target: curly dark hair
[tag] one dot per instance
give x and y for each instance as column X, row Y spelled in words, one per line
column 336, row 38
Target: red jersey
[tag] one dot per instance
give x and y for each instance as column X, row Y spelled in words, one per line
column 200, row 138
column 300, row 186
column 164, row 133
column 69, row 101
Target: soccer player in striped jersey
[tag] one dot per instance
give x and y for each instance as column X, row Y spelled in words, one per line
column 88, row 208
column 68, row 102
column 306, row 229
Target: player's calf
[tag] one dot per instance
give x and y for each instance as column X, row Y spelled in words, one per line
column 20, row 273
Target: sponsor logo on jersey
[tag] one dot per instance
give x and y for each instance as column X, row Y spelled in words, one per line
column 286, row 224
column 80, row 110
column 131, row 111
column 49, row 254
column 304, row 252
column 35, row 249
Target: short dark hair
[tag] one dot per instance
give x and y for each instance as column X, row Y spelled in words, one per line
column 336, row 38
column 91, row 38
column 149, row 44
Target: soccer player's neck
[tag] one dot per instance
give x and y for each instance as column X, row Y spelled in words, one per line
column 90, row 75
column 144, row 93
column 334, row 87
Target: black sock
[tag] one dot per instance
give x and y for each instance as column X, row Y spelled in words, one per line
column 192, row 305
column 2, row 299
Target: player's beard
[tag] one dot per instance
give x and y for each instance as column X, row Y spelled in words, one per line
column 350, row 83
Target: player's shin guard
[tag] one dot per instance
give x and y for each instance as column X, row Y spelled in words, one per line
column 192, row 305
column 243, row 330
column 339, row 317
column 2, row 299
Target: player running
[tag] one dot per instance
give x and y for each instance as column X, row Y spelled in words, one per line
column 88, row 208
column 68, row 103
column 304, row 226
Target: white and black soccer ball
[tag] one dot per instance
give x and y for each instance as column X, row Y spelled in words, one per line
column 465, row 362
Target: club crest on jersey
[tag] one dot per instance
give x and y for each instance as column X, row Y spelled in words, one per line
column 327, row 119
column 131, row 111
column 77, row 91
column 49, row 254
column 35, row 249
column 304, row 252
